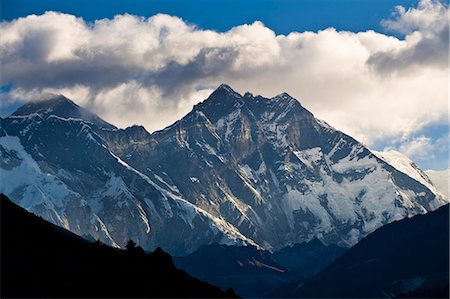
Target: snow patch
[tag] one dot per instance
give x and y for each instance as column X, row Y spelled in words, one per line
column 405, row 165
column 310, row 157
column 440, row 179
column 194, row 179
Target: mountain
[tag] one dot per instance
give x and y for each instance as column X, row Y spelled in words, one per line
column 249, row 271
column 236, row 170
column 61, row 169
column 306, row 259
column 254, row 273
column 405, row 165
column 61, row 106
column 40, row 259
column 407, row 257
column 440, row 179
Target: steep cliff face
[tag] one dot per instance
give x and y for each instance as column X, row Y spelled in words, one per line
column 60, row 168
column 279, row 175
column 235, row 170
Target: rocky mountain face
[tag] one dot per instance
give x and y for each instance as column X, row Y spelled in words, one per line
column 237, row 170
column 61, row 169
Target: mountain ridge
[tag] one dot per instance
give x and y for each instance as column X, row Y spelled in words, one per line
column 61, row 106
column 408, row 256
column 408, row 167
column 257, row 171
column 440, row 179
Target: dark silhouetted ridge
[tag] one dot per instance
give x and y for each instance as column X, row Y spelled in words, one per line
column 39, row 259
column 407, row 258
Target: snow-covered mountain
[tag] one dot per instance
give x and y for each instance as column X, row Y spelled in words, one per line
column 440, row 179
column 63, row 107
column 60, row 168
column 235, row 170
column 407, row 166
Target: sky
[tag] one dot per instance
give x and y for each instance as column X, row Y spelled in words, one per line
column 375, row 69
column 281, row 16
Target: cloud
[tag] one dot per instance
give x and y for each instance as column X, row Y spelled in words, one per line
column 427, row 16
column 151, row 71
column 427, row 40
column 418, row 148
column 432, row 153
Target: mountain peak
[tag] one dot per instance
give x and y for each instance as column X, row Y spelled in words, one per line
column 224, row 101
column 225, row 90
column 60, row 106
column 226, row 87
column 221, row 102
column 48, row 106
column 284, row 97
column 248, row 95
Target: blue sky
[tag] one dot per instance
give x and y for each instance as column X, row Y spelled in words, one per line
column 282, row 16
column 386, row 88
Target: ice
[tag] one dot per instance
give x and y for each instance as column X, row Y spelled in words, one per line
column 310, row 157
column 194, row 179
column 227, row 123
column 190, row 211
column 44, row 193
column 38, row 187
column 405, row 165
column 440, row 179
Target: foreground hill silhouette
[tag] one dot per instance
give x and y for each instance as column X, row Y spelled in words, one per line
column 407, row 259
column 39, row 259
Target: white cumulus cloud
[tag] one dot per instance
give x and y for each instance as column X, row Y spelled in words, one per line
column 151, row 71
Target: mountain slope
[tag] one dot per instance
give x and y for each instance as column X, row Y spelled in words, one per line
column 249, row 271
column 254, row 273
column 236, row 170
column 405, row 165
column 63, row 107
column 276, row 173
column 408, row 255
column 308, row 258
column 440, row 179
column 60, row 168
column 42, row 260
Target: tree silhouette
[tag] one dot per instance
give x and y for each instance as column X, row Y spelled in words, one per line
column 131, row 245
column 133, row 248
